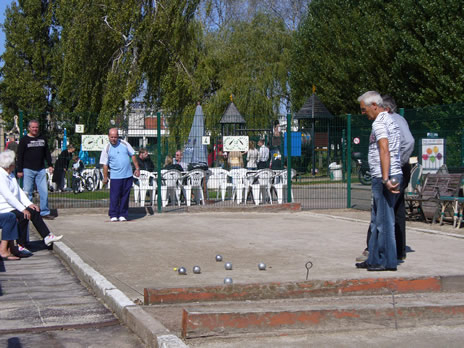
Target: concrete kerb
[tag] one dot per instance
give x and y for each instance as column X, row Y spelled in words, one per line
column 149, row 330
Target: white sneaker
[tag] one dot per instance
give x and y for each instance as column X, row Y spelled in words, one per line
column 51, row 238
column 122, row 218
column 363, row 256
column 114, row 219
column 24, row 252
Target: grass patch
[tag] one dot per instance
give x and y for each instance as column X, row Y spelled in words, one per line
column 89, row 195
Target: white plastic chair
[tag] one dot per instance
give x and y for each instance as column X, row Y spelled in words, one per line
column 169, row 184
column 280, row 184
column 142, row 185
column 192, row 183
column 264, row 178
column 50, row 183
column 98, row 178
column 218, row 181
column 239, row 184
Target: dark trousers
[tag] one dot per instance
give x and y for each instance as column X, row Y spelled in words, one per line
column 58, row 178
column 263, row 165
column 36, row 220
column 119, row 197
column 400, row 215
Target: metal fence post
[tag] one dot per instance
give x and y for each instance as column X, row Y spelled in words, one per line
column 21, row 126
column 344, row 162
column 348, row 158
column 402, row 112
column 289, row 158
column 158, row 159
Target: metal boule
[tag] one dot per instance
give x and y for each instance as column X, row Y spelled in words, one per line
column 218, row 258
column 228, row 266
column 196, row 269
column 262, row 266
column 394, row 181
column 182, row 270
column 228, row 281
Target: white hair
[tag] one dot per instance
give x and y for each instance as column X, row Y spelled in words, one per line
column 7, row 158
column 371, row 97
column 389, row 102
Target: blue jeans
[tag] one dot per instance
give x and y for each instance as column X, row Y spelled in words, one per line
column 40, row 179
column 9, row 226
column 382, row 244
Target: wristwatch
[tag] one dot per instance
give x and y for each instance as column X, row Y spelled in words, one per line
column 384, row 181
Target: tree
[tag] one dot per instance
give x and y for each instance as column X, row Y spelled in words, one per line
column 409, row 49
column 28, row 81
column 250, row 61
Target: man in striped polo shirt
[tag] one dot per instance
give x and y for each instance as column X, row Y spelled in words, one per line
column 385, row 166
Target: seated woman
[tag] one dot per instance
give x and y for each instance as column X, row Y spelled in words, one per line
column 9, row 227
column 14, row 200
column 168, row 165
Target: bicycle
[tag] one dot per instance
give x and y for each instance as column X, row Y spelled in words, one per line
column 82, row 182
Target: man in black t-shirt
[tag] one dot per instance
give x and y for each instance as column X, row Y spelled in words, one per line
column 33, row 151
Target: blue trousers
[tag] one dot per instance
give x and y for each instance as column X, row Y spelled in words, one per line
column 119, row 197
column 382, row 244
column 9, row 226
column 40, row 179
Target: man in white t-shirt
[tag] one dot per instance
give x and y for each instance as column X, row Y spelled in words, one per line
column 116, row 156
column 385, row 166
column 263, row 157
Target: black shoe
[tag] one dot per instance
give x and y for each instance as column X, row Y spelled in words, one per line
column 48, row 217
column 380, row 269
column 362, row 265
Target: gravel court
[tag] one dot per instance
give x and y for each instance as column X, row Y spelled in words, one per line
column 142, row 253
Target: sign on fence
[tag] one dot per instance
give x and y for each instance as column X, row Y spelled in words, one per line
column 94, row 142
column 432, row 154
column 296, row 144
column 235, row 143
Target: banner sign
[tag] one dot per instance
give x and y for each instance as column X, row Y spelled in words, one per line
column 235, row 143
column 432, row 154
column 94, row 142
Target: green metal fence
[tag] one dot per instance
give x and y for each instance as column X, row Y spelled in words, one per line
column 321, row 155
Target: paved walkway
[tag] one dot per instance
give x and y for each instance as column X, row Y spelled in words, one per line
column 42, row 304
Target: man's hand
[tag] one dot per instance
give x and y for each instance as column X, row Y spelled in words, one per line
column 392, row 188
column 19, row 174
column 137, row 172
column 105, row 181
column 34, row 207
column 27, row 214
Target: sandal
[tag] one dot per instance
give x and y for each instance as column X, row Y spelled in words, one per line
column 10, row 257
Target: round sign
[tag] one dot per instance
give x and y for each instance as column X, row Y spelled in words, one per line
column 356, row 140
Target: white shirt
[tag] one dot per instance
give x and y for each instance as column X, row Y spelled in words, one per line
column 11, row 195
column 263, row 154
column 407, row 140
column 384, row 127
column 252, row 158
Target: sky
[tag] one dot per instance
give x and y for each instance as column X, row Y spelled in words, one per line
column 3, row 5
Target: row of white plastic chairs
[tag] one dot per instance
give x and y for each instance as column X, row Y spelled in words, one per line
column 260, row 184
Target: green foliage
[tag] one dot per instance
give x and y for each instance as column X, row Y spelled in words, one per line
column 409, row 49
column 28, row 81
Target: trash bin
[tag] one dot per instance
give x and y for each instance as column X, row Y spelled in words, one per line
column 335, row 171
